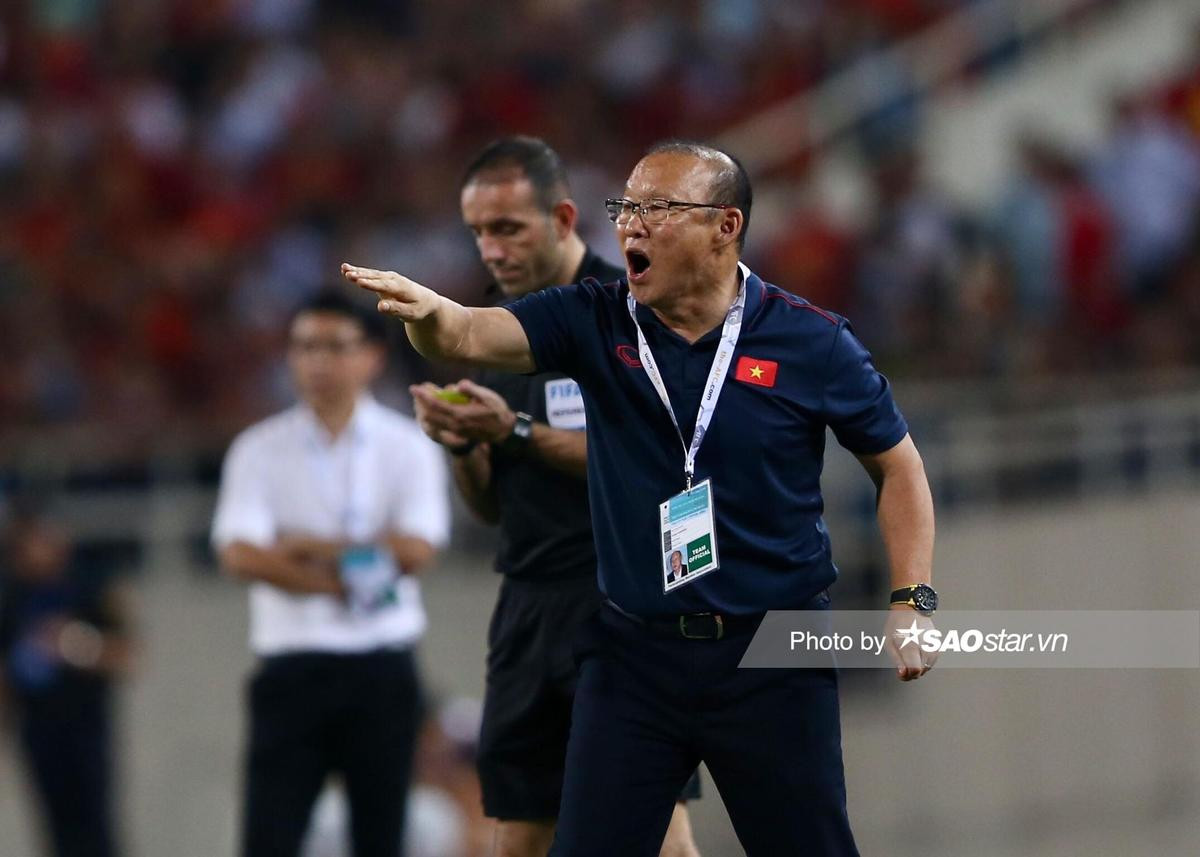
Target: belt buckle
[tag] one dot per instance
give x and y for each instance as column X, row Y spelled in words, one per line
column 718, row 627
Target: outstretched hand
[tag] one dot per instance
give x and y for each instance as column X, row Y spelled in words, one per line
column 406, row 299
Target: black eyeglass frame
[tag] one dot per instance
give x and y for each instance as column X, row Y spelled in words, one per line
column 616, row 207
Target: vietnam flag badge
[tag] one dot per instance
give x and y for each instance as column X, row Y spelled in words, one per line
column 755, row 371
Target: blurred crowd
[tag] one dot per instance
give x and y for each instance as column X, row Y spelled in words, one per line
column 177, row 176
column 1086, row 261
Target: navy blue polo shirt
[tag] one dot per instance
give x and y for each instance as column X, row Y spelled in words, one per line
column 764, row 449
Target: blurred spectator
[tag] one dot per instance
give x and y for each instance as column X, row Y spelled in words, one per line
column 1028, row 234
column 65, row 638
column 813, row 257
column 1057, row 239
column 1181, row 95
column 910, row 265
column 1149, row 171
column 329, row 510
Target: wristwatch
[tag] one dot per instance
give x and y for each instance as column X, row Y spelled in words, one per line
column 920, row 597
column 518, row 439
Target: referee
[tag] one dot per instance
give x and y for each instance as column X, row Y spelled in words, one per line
column 519, row 458
column 708, row 394
column 328, row 510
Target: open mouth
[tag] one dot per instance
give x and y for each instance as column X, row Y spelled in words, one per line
column 638, row 262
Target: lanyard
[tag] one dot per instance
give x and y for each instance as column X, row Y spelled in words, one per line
column 716, row 374
column 354, row 477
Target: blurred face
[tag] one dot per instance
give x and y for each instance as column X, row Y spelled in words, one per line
column 518, row 241
column 39, row 552
column 676, row 561
column 664, row 258
column 331, row 360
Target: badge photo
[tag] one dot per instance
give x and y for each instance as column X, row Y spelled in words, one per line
column 674, row 569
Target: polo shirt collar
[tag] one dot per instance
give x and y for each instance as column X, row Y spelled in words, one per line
column 356, row 430
column 756, row 291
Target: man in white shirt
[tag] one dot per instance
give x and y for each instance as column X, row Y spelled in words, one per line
column 327, row 510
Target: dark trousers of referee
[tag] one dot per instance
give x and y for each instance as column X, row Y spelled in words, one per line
column 651, row 705
column 316, row 714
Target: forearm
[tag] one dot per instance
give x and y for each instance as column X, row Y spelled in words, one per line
column 561, row 449
column 473, row 478
column 906, row 523
column 442, row 329
column 490, row 337
column 280, row 567
column 444, row 333
column 411, row 553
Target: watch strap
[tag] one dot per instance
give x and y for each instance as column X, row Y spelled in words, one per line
column 903, row 595
column 518, row 438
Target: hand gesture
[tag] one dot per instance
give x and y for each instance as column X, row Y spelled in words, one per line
column 399, row 296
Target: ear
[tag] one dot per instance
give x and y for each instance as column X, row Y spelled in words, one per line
column 730, row 226
column 565, row 215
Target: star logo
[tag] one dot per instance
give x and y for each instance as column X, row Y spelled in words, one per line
column 756, row 371
column 911, row 634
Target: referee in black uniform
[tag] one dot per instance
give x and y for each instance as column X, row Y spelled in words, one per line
column 519, row 458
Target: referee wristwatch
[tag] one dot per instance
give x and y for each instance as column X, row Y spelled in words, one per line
column 518, row 440
column 920, row 597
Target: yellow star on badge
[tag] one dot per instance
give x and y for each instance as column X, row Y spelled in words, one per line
column 756, row 371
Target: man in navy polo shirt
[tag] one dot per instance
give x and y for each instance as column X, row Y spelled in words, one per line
column 708, row 393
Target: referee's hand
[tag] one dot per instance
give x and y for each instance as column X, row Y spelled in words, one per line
column 406, row 299
column 905, row 650
column 436, row 417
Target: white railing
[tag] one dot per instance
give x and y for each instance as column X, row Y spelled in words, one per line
column 982, row 448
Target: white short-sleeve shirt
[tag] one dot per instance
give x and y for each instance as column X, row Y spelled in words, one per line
column 286, row 476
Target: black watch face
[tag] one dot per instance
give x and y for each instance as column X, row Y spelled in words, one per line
column 925, row 599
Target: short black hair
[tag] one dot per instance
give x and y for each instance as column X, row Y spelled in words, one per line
column 533, row 158
column 730, row 184
column 334, row 302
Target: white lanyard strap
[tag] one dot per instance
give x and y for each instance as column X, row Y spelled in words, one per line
column 716, row 374
column 348, row 506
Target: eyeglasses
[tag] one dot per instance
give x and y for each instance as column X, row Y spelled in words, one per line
column 653, row 211
column 332, row 347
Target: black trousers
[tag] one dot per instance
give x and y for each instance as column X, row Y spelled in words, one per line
column 70, row 758
column 649, row 707
column 531, row 678
column 316, row 714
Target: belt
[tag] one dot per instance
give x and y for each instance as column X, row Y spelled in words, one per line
column 691, row 626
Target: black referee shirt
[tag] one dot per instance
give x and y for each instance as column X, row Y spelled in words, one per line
column 545, row 521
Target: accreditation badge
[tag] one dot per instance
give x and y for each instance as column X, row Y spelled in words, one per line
column 689, row 538
column 369, row 574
